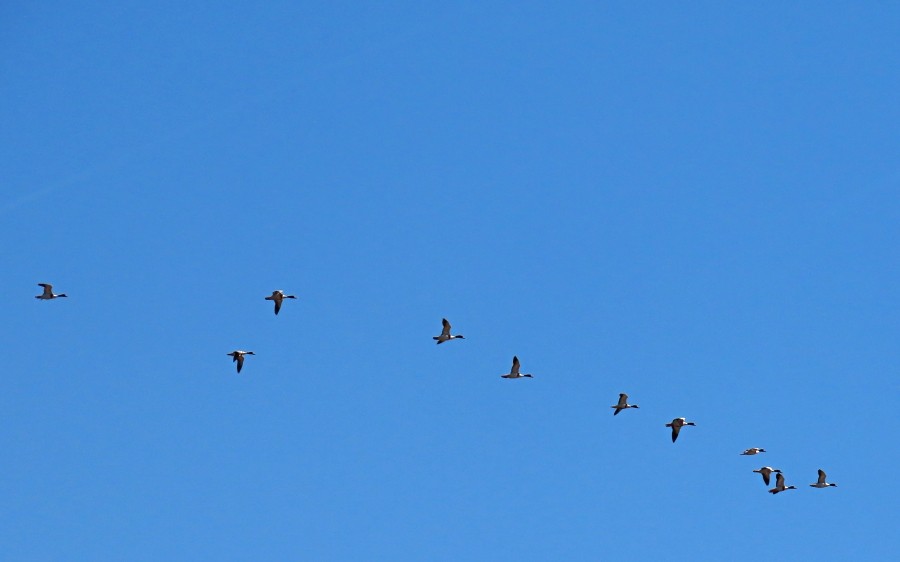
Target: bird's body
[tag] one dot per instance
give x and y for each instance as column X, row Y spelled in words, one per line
column 821, row 483
column 622, row 404
column 779, row 485
column 514, row 371
column 48, row 292
column 278, row 297
column 753, row 451
column 238, row 356
column 766, row 472
column 676, row 426
column 445, row 333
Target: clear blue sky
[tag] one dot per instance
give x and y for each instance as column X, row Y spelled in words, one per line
column 696, row 205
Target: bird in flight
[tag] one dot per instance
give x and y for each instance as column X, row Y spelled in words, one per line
column 676, row 426
column 445, row 333
column 278, row 297
column 779, row 485
column 239, row 357
column 514, row 371
column 753, row 451
column 48, row 292
column 766, row 472
column 821, row 483
column 623, row 404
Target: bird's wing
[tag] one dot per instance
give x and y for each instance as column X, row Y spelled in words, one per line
column 623, row 399
column 779, row 481
column 766, row 474
column 675, row 430
column 821, row 476
column 277, row 305
column 240, row 362
column 48, row 288
column 446, row 330
column 515, row 366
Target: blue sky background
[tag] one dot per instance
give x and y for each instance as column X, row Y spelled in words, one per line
column 696, row 205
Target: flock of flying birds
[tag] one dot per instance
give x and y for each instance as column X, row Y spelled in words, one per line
column 237, row 356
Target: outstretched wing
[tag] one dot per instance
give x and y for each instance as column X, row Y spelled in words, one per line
column 779, row 481
column 240, row 362
column 821, row 476
column 277, row 306
column 515, row 366
column 446, row 330
column 675, row 430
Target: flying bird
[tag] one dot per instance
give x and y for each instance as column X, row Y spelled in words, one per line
column 239, row 357
column 514, row 372
column 753, row 451
column 623, row 404
column 821, row 483
column 278, row 297
column 445, row 333
column 676, row 426
column 779, row 485
column 48, row 292
column 766, row 472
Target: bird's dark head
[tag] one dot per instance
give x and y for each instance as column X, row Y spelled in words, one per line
column 462, row 337
column 62, row 295
column 635, row 406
